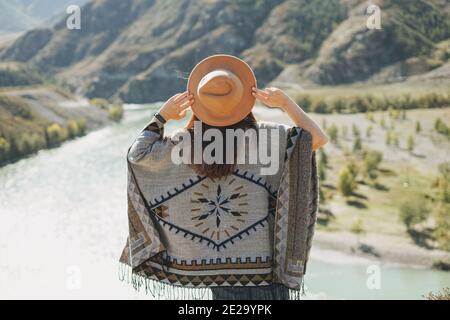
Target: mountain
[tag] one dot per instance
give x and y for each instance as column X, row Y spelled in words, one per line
column 143, row 50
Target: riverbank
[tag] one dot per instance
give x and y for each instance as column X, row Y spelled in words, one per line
column 69, row 202
column 383, row 237
column 378, row 248
column 33, row 118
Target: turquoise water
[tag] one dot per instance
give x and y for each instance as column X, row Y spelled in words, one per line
column 64, row 224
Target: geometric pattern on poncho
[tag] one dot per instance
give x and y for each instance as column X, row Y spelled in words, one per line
column 221, row 219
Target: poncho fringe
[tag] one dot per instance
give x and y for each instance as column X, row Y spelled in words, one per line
column 159, row 290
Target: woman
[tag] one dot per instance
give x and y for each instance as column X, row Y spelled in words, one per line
column 233, row 212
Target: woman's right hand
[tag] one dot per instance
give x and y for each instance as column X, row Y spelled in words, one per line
column 176, row 107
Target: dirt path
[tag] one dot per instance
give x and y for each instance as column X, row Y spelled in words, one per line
column 381, row 248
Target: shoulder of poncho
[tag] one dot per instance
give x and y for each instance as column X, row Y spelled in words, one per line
column 273, row 125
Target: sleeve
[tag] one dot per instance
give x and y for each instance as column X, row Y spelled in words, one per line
column 144, row 240
column 143, row 144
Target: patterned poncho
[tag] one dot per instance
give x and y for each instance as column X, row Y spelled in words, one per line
column 191, row 232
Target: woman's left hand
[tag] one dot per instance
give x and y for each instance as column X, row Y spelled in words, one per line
column 176, row 107
column 271, row 97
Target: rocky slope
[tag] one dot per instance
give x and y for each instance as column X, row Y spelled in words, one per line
column 143, row 50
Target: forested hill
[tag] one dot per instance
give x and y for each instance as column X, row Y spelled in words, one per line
column 143, row 50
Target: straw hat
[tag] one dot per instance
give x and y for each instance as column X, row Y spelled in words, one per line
column 222, row 89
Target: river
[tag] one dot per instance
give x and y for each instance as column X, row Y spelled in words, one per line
column 63, row 226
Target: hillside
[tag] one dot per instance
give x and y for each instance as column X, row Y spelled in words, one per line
column 142, row 50
column 38, row 117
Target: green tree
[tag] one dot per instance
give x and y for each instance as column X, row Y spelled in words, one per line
column 413, row 212
column 410, row 143
column 441, row 127
column 333, row 133
column 55, row 134
column 72, row 129
column 357, row 144
column 418, row 127
column 116, row 112
column 322, row 171
column 357, row 228
column 346, row 182
column 372, row 160
column 353, row 168
column 4, row 149
column 323, row 157
column 441, row 232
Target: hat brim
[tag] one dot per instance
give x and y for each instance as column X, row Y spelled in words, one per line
column 242, row 70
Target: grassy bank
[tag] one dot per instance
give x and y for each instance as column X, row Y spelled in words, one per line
column 385, row 182
column 388, row 173
column 35, row 118
column 363, row 99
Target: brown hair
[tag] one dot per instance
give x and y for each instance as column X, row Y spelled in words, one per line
column 218, row 170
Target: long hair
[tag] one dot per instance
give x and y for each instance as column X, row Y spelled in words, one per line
column 218, row 170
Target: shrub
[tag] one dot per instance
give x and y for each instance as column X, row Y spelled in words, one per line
column 396, row 104
column 100, row 103
column 353, row 168
column 4, row 149
column 304, row 101
column 410, row 143
column 444, row 295
column 441, row 233
column 333, row 133
column 116, row 112
column 372, row 160
column 323, row 157
column 76, row 128
column 72, row 129
column 357, row 228
column 442, row 264
column 320, row 106
column 82, row 126
column 321, row 171
column 346, row 182
column 441, row 127
column 413, row 212
column 418, row 127
column 55, row 134
column 357, row 145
